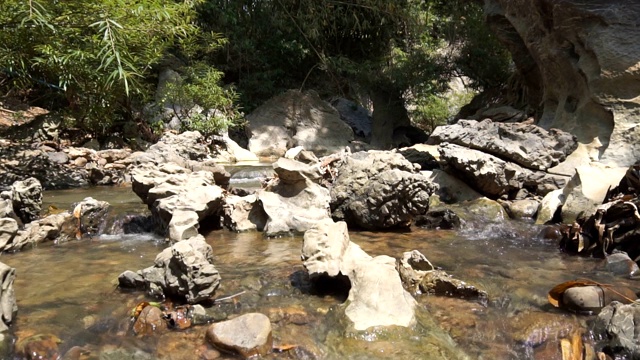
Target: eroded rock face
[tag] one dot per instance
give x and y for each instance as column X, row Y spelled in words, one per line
column 184, row 271
column 296, row 119
column 527, row 145
column 170, row 188
column 580, row 61
column 376, row 297
column 27, row 199
column 379, row 190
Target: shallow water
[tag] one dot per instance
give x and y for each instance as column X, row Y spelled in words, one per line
column 69, row 290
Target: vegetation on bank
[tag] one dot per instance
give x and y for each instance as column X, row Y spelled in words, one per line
column 97, row 62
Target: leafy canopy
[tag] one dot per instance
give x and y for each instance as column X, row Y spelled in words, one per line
column 94, row 59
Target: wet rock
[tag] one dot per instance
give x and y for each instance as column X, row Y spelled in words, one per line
column 41, row 346
column 91, row 214
column 376, row 297
column 617, row 324
column 549, row 206
column 149, row 321
column 53, row 227
column 27, row 199
column 527, row 145
column 379, row 190
column 438, row 282
column 522, row 209
column 594, row 298
column 247, row 335
column 130, row 279
column 316, row 125
column 413, row 267
column 184, row 271
column 486, row 209
column 8, row 305
column 438, row 219
column 620, row 263
column 534, row 328
column 243, row 213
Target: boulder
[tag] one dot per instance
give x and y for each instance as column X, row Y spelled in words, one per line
column 379, row 190
column 8, row 231
column 183, row 225
column 248, row 335
column 438, row 282
column 527, row 145
column 8, row 306
column 422, row 155
column 243, row 213
column 495, row 177
column 56, row 227
column 549, row 206
column 228, row 151
column 356, row 116
column 293, row 207
column 170, row 188
column 296, row 119
column 444, row 219
column 449, row 188
column 27, row 199
column 91, row 214
column 413, row 267
column 522, row 209
column 376, row 297
column 183, row 271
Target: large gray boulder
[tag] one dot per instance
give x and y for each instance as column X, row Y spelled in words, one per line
column 242, row 213
column 495, row 177
column 295, row 119
column 376, row 297
column 8, row 306
column 27, row 199
column 183, row 271
column 379, row 190
column 527, row 145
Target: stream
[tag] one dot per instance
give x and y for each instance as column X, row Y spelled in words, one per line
column 69, row 291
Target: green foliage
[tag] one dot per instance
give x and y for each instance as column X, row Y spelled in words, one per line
column 200, row 102
column 435, row 110
column 94, row 59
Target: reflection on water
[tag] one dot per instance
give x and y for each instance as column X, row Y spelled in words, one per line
column 69, row 290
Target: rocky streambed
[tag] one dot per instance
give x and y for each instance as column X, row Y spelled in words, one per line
column 68, row 292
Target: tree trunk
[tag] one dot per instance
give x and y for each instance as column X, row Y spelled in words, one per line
column 388, row 114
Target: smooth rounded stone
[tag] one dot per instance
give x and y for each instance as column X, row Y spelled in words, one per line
column 620, row 263
column 80, row 162
column 58, row 157
column 247, row 335
column 522, row 209
column 149, row 321
column 594, row 298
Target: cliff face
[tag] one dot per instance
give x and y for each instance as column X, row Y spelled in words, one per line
column 580, row 61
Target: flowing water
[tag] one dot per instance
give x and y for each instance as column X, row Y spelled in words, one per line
column 68, row 290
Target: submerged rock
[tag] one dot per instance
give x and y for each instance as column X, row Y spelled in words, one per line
column 248, row 335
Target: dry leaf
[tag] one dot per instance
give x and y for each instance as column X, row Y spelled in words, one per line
column 555, row 294
column 285, row 347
